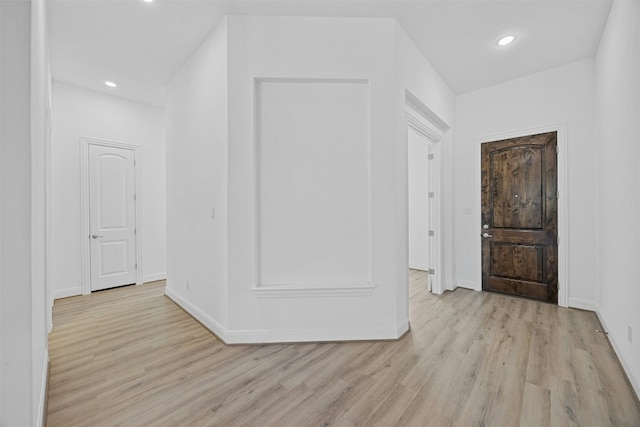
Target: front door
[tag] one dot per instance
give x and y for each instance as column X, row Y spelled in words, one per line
column 520, row 216
column 112, row 216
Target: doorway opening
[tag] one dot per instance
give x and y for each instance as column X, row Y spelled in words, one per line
column 424, row 137
column 110, row 203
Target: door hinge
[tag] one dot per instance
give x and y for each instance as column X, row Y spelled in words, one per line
column 432, row 233
column 557, row 149
column 431, row 156
column 134, row 162
column 136, row 265
column 432, row 194
column 135, row 197
column 135, row 231
column 432, row 271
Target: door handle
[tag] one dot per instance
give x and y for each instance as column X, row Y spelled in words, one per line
column 487, row 235
column 95, row 236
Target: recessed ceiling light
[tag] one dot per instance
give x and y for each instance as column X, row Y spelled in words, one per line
column 506, row 40
column 148, row 1
column 110, row 83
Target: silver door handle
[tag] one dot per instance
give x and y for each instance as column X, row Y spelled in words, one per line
column 95, row 236
column 487, row 235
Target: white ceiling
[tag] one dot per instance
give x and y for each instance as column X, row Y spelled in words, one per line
column 142, row 46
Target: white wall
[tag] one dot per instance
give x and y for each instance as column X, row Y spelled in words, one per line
column 618, row 192
column 418, row 77
column 313, row 51
column 79, row 112
column 197, row 182
column 563, row 95
column 41, row 295
column 418, row 201
column 311, row 133
column 312, row 105
column 24, row 102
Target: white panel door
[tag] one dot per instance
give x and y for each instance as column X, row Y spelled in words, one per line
column 112, row 216
column 419, row 148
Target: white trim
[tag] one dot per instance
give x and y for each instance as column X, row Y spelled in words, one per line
column 277, row 290
column 625, row 366
column 583, row 304
column 402, row 327
column 420, row 119
column 420, row 126
column 414, row 103
column 67, row 292
column 332, row 290
column 43, row 390
column 563, row 259
column 84, row 206
column 261, row 336
column 420, row 267
column 154, row 277
column 207, row 321
column 467, row 284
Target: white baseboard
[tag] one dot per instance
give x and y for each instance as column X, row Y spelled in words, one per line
column 72, row 292
column 402, row 328
column 627, row 369
column 66, row 293
column 209, row 322
column 262, row 336
column 154, row 277
column 583, row 304
column 466, row 284
column 258, row 336
column 42, row 407
column 421, row 267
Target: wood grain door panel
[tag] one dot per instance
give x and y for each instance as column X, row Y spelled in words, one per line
column 519, row 216
column 524, row 262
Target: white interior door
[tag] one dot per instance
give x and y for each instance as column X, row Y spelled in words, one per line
column 112, row 216
column 419, row 148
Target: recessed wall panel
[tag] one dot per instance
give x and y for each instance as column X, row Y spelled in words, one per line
column 313, row 182
column 112, row 203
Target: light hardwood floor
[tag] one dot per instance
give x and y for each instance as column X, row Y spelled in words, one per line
column 131, row 357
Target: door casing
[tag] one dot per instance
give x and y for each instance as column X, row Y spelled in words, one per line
column 434, row 134
column 84, row 207
column 563, row 271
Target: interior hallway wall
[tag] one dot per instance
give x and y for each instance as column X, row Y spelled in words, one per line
column 253, row 279
column 79, row 112
column 618, row 187
column 197, row 171
column 319, row 66
column 24, row 138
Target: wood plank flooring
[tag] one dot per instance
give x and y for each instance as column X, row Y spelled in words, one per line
column 131, row 357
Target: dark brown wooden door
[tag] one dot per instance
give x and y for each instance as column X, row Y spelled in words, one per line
column 520, row 216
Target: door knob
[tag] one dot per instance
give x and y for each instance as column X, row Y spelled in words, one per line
column 95, row 236
column 487, row 235
column 485, row 226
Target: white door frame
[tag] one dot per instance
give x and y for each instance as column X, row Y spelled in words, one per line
column 433, row 132
column 563, row 232
column 84, row 206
